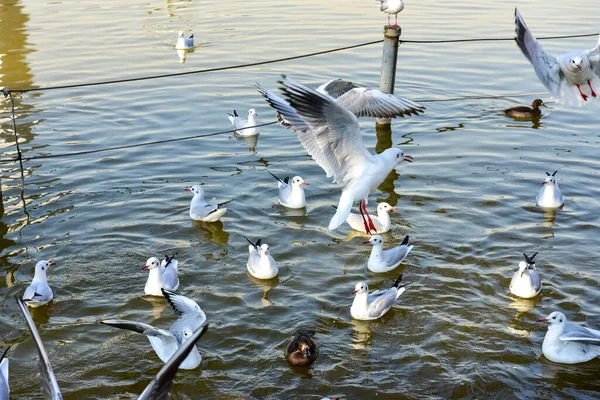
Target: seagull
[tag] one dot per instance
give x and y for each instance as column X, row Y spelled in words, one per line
column 568, row 343
column 241, row 125
column 165, row 343
column 526, row 282
column 291, row 195
column 332, row 136
column 200, row 210
column 184, row 43
column 550, row 195
column 4, row 388
column 302, row 350
column 260, row 263
column 38, row 292
column 386, row 260
column 372, row 306
column 47, row 377
column 525, row 112
column 161, row 275
column 382, row 220
column 564, row 75
column 391, row 7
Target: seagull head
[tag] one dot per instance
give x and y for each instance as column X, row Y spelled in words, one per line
column 196, row 189
column 361, row 287
column 375, row 240
column 151, row 263
column 381, row 207
column 180, row 34
column 550, row 179
column 556, row 318
column 297, row 181
column 42, row 266
column 396, row 156
column 252, row 112
column 264, row 249
column 577, row 62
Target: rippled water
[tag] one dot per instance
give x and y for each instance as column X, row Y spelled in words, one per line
column 468, row 201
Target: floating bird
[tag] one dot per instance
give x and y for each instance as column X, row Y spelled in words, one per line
column 38, row 292
column 302, row 350
column 391, row 7
column 526, row 282
column 184, row 43
column 386, row 260
column 332, row 136
column 564, row 75
column 4, row 388
column 163, row 275
column 48, row 379
column 242, row 125
column 568, row 343
column 260, row 263
column 550, row 195
column 372, row 306
column 165, row 343
column 291, row 195
column 200, row 210
column 382, row 220
column 525, row 112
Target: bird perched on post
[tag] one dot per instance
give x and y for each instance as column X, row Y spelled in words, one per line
column 391, row 7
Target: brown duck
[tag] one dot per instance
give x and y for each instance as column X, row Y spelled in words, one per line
column 524, row 112
column 302, row 350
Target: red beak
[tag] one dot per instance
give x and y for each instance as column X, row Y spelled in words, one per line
column 188, row 189
column 542, row 320
column 51, row 264
column 579, row 66
column 354, row 291
column 144, row 267
column 408, row 158
column 304, row 183
column 393, row 208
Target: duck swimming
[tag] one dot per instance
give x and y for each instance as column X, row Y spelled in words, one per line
column 525, row 112
column 302, row 351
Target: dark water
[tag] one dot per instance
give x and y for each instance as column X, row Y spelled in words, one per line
column 468, row 201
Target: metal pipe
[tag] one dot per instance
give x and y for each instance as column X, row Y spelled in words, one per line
column 391, row 38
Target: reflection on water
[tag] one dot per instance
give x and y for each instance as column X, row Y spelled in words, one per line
column 362, row 335
column 251, row 141
column 292, row 212
column 523, row 306
column 266, row 285
column 159, row 305
column 582, row 376
column 549, row 216
column 213, row 231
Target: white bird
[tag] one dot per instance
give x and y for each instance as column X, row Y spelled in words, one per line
column 391, row 7
column 372, row 306
column 200, row 210
column 260, row 263
column 332, row 136
column 526, row 282
column 386, row 260
column 564, row 75
column 568, row 343
column 382, row 220
column 165, row 343
column 38, row 292
column 47, row 377
column 291, row 195
column 242, row 125
column 161, row 275
column 4, row 387
column 550, row 195
column 184, row 43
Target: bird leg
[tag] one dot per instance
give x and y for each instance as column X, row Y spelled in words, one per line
column 362, row 214
column 396, row 21
column 590, row 85
column 389, row 22
column 583, row 96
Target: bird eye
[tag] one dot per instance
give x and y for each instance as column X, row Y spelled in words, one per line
column 43, row 268
column 560, row 320
column 554, row 317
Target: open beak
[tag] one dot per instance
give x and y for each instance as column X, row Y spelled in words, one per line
column 144, row 267
column 51, row 264
column 408, row 159
column 354, row 291
column 579, row 66
column 542, row 320
column 543, row 183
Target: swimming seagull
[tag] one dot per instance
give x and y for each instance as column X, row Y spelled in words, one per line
column 48, row 379
column 391, row 7
column 382, row 220
column 526, row 282
column 165, row 343
column 568, row 343
column 242, row 125
column 302, row 350
column 372, row 306
column 4, row 387
column 260, row 263
column 161, row 275
column 184, row 43
column 386, row 260
column 332, row 136
column 200, row 210
column 550, row 195
column 38, row 292
column 291, row 195
column 564, row 75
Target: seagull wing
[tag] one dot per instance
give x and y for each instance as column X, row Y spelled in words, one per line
column 364, row 102
column 546, row 67
column 396, row 255
column 333, row 139
column 381, row 301
column 159, row 387
column 576, row 333
column 190, row 313
column 47, row 377
column 337, row 87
